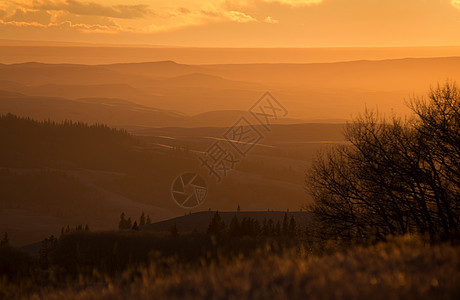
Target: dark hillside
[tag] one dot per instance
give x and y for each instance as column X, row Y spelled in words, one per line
column 199, row 221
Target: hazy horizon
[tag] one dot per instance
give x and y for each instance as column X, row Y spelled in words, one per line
column 13, row 51
column 229, row 149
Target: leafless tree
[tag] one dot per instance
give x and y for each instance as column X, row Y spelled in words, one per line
column 393, row 176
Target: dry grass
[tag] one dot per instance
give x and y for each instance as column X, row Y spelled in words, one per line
column 403, row 268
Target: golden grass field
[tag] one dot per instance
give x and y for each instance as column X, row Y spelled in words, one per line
column 402, row 268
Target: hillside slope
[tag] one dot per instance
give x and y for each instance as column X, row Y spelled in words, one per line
column 199, row 221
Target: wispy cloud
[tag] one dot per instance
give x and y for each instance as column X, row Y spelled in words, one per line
column 270, row 20
column 297, row 3
column 62, row 26
column 240, row 17
column 93, row 8
column 29, row 16
column 130, row 18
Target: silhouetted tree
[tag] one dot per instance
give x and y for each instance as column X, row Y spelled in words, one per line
column 135, row 226
column 148, row 220
column 125, row 223
column 47, row 250
column 122, row 223
column 285, row 228
column 265, row 227
column 142, row 219
column 5, row 241
column 394, row 176
column 277, row 230
column 292, row 229
column 234, row 227
column 256, row 229
column 270, row 227
column 216, row 226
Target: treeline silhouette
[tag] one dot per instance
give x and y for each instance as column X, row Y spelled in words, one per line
column 394, row 176
column 79, row 251
column 127, row 223
column 67, row 145
column 253, row 228
column 30, row 143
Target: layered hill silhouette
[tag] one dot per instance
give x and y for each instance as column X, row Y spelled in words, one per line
column 113, row 111
column 309, row 91
column 78, row 173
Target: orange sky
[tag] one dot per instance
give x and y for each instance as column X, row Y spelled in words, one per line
column 235, row 23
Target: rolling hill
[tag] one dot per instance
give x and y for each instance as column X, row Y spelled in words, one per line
column 309, row 91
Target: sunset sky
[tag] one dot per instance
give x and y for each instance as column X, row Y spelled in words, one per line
column 235, row 23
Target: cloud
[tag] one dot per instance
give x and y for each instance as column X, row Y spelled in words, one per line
column 93, row 15
column 93, row 8
column 297, row 3
column 455, row 3
column 62, row 26
column 270, row 20
column 62, row 17
column 30, row 16
column 238, row 16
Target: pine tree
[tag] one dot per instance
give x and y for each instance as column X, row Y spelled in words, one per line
column 148, row 222
column 270, row 227
column 238, row 209
column 142, row 219
column 292, row 227
column 46, row 252
column 285, row 228
column 265, row 227
column 256, row 228
column 122, row 223
column 216, row 226
column 277, row 230
column 234, row 228
column 128, row 223
column 135, row 227
column 5, row 241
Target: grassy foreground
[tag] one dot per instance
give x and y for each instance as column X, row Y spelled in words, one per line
column 402, row 268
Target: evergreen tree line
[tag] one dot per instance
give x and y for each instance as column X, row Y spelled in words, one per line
column 253, row 228
column 77, row 228
column 58, row 144
column 127, row 223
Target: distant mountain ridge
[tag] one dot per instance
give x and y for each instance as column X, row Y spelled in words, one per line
column 308, row 91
